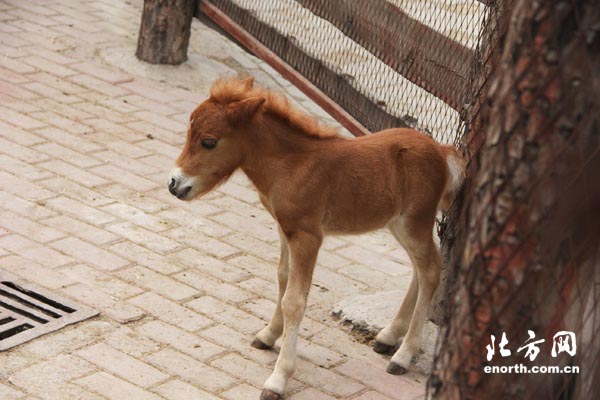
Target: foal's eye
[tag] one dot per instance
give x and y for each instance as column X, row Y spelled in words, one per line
column 209, row 144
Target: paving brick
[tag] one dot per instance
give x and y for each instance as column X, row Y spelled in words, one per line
column 144, row 277
column 49, row 379
column 311, row 394
column 162, row 264
column 256, row 247
column 110, row 76
column 331, row 260
column 327, row 279
column 227, row 314
column 73, row 141
column 144, row 237
column 122, row 365
column 16, row 66
column 138, row 217
column 36, row 273
column 210, row 286
column 375, row 260
column 210, row 265
column 395, row 387
column 8, row 393
column 190, row 223
column 240, row 342
column 105, row 131
column 25, row 208
column 260, row 287
column 10, row 134
column 170, row 312
column 28, row 228
column 98, row 85
column 67, row 340
column 128, row 179
column 136, row 199
column 44, row 64
column 191, row 370
column 67, row 155
column 17, row 91
column 78, row 175
column 48, row 91
column 15, row 243
column 241, row 392
column 90, row 253
column 255, row 266
column 318, row 355
column 203, row 243
column 159, row 135
column 136, row 102
column 131, row 342
column 163, row 122
column 21, row 152
column 45, row 256
column 243, row 369
column 326, row 380
column 372, row 395
column 79, row 210
column 101, row 281
column 118, row 310
column 83, row 230
column 179, row 390
column 27, row 171
column 181, row 340
column 9, row 76
column 114, row 388
column 248, row 226
column 23, row 188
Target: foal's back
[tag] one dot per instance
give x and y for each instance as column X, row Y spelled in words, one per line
column 373, row 179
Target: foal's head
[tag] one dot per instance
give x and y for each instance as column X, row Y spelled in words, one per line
column 213, row 150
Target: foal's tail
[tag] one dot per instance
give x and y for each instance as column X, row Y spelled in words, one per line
column 456, row 175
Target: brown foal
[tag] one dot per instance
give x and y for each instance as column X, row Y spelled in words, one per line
column 314, row 182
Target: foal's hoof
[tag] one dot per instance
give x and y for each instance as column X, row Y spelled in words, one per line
column 270, row 395
column 257, row 344
column 395, row 369
column 382, row 348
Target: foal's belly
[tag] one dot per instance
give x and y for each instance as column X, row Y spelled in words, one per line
column 349, row 220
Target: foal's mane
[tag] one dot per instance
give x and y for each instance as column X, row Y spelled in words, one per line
column 228, row 90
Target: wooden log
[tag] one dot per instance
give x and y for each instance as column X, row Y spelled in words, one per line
column 165, row 31
column 422, row 55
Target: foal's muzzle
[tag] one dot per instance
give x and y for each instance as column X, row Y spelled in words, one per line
column 180, row 186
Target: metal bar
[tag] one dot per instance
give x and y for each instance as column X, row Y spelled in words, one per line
column 261, row 51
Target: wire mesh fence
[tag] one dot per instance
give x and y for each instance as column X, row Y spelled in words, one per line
column 388, row 63
column 523, row 245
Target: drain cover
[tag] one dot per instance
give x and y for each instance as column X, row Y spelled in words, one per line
column 27, row 312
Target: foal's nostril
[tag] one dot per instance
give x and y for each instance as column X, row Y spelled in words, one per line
column 172, row 186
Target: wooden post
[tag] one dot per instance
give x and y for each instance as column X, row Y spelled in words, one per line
column 165, row 31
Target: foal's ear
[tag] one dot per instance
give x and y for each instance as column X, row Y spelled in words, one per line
column 248, row 82
column 245, row 109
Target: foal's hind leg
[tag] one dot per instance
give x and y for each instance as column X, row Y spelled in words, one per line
column 416, row 236
column 387, row 338
column 265, row 339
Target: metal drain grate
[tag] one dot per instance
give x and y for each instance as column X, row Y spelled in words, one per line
column 27, row 312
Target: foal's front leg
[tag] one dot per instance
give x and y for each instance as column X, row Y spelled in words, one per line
column 265, row 339
column 303, row 247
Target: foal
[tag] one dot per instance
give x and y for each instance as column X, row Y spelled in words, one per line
column 314, row 182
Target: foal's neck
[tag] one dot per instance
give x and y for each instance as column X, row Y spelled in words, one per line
column 274, row 150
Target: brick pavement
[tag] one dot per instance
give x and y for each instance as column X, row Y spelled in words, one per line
column 87, row 136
